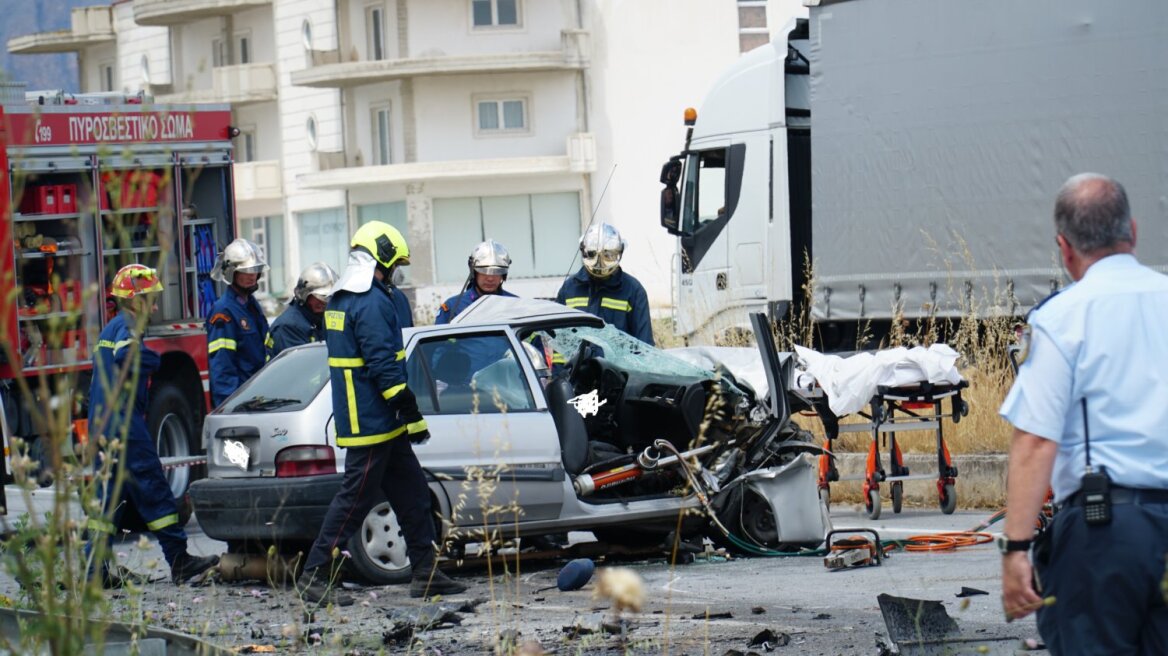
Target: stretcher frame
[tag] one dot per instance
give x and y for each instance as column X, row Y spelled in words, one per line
column 918, row 407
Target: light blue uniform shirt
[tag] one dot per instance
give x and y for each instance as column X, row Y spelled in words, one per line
column 1104, row 338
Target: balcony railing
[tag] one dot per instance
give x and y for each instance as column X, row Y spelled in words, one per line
column 336, row 171
column 259, row 188
column 89, row 26
column 242, row 84
column 330, row 69
column 177, row 12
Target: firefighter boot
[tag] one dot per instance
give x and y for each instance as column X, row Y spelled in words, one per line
column 191, row 570
column 318, row 587
column 428, row 580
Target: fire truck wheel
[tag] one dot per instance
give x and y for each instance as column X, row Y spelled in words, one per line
column 172, row 423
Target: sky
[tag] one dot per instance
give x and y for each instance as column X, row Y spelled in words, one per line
column 39, row 71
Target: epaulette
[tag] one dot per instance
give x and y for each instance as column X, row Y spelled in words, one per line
column 221, row 317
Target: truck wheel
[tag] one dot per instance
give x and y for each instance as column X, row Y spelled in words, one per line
column 378, row 549
column 172, row 423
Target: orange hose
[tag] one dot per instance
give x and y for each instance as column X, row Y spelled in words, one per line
column 946, row 541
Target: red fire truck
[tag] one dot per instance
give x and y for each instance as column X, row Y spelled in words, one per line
column 90, row 187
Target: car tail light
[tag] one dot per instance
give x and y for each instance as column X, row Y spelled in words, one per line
column 305, row 461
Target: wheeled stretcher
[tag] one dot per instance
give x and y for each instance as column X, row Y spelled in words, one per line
column 918, row 407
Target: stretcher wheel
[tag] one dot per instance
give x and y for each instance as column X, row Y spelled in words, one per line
column 897, row 496
column 825, row 496
column 872, row 505
column 948, row 499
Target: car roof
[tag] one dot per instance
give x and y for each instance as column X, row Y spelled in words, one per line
column 522, row 312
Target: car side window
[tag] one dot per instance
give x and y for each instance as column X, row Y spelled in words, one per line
column 468, row 374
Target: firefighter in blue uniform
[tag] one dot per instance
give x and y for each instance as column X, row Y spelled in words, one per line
column 377, row 419
column 488, row 264
column 303, row 321
column 404, row 313
column 602, row 288
column 118, row 401
column 237, row 330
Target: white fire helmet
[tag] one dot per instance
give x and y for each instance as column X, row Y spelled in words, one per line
column 602, row 248
column 240, row 256
column 316, row 280
column 490, row 258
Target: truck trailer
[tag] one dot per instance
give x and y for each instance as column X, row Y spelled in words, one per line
column 906, row 155
column 93, row 183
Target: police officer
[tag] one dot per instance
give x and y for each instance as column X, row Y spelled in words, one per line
column 237, row 330
column 488, row 265
column 602, row 288
column 376, row 417
column 303, row 321
column 1087, row 404
column 118, row 401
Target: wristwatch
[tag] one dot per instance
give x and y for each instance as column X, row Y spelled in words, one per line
column 1006, row 545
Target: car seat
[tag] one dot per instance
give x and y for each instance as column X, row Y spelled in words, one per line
column 569, row 425
column 453, row 368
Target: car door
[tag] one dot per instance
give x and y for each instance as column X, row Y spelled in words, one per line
column 492, row 443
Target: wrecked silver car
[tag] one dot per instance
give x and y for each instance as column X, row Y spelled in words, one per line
column 543, row 420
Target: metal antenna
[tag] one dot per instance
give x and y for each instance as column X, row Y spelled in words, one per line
column 591, row 219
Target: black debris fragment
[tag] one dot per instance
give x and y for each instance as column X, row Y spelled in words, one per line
column 721, row 615
column 970, row 592
column 757, row 610
column 574, row 631
column 822, row 616
column 768, row 640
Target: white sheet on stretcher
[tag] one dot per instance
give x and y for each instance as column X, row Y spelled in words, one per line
column 850, row 383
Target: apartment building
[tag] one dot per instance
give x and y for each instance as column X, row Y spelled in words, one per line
column 453, row 120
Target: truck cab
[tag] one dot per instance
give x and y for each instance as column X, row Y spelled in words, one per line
column 738, row 195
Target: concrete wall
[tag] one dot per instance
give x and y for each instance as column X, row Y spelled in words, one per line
column 258, row 24
column 261, row 116
column 136, row 42
column 360, row 129
column 194, row 50
column 298, row 103
column 90, row 63
column 443, row 27
column 448, row 120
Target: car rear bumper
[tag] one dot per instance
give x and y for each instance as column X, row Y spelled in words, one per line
column 263, row 509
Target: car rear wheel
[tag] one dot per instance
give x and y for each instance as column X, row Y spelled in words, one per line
column 378, row 549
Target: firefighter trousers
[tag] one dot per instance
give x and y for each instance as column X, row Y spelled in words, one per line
column 387, row 471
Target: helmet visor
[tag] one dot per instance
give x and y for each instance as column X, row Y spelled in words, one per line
column 601, row 262
column 491, row 270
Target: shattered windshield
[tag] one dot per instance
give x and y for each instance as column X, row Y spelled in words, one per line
column 625, row 351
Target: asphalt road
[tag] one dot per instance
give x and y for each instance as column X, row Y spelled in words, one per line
column 711, row 606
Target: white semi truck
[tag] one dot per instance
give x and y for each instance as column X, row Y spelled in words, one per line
column 911, row 151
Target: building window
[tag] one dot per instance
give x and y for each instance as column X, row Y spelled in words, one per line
column 268, row 233
column 380, row 129
column 503, row 115
column 324, row 237
column 375, row 32
column 306, row 35
column 540, row 231
column 218, row 53
column 495, row 13
column 106, row 73
column 310, row 132
column 243, row 47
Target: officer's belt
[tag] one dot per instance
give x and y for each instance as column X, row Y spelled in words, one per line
column 1121, row 495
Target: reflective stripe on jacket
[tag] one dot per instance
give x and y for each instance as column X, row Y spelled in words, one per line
column 237, row 333
column 114, row 368
column 366, row 365
column 618, row 299
column 295, row 326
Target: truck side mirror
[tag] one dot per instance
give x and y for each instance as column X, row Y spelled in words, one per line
column 670, row 207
